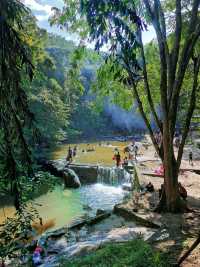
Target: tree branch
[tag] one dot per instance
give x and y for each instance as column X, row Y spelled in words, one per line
column 142, row 112
column 162, row 43
column 146, row 120
column 146, row 83
column 184, row 60
column 176, row 48
column 189, row 112
column 158, row 7
column 194, row 16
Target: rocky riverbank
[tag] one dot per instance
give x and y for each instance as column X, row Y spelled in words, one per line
column 86, row 235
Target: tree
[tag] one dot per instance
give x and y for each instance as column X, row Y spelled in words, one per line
column 119, row 25
column 15, row 62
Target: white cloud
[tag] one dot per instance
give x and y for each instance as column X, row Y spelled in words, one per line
column 35, row 6
column 42, row 17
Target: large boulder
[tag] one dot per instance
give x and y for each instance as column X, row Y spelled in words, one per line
column 71, row 179
column 86, row 173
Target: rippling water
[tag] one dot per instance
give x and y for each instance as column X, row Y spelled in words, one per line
column 99, row 196
column 63, row 206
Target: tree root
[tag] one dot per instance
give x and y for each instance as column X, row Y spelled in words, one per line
column 179, row 207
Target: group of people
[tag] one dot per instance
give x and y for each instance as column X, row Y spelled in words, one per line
column 131, row 149
column 176, row 141
column 71, row 154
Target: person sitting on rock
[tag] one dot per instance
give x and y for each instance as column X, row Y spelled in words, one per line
column 149, row 187
column 181, row 189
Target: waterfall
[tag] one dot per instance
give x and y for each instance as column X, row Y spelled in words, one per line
column 113, row 176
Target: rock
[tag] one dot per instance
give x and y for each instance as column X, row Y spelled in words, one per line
column 98, row 218
column 100, row 212
column 56, row 247
column 57, row 233
column 86, row 173
column 127, row 187
column 86, row 207
column 143, row 219
column 77, row 224
column 83, row 232
column 52, row 168
column 71, row 179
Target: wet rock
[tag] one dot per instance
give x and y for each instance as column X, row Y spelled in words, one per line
column 83, row 232
column 51, row 167
column 86, row 173
column 98, row 218
column 77, row 224
column 100, row 212
column 57, row 246
column 86, row 207
column 57, row 233
column 127, row 187
column 71, row 179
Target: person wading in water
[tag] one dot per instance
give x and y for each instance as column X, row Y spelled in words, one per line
column 118, row 159
column 69, row 155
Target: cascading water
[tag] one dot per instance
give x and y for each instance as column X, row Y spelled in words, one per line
column 113, row 176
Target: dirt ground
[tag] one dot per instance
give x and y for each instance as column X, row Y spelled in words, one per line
column 181, row 230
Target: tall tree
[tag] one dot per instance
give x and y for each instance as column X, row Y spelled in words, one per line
column 15, row 63
column 119, row 25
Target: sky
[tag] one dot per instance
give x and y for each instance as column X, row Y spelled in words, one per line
column 42, row 10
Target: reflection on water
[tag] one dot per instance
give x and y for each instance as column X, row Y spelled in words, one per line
column 62, row 206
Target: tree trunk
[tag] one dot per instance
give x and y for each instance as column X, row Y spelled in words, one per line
column 170, row 200
column 16, row 197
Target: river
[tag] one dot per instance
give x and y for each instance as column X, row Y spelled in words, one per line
column 62, row 206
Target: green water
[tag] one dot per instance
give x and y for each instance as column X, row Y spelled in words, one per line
column 60, row 205
column 64, row 205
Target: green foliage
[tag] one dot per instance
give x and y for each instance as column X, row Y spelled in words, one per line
column 15, row 115
column 135, row 253
column 15, row 232
column 111, row 82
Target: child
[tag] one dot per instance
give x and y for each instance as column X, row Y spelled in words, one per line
column 37, row 256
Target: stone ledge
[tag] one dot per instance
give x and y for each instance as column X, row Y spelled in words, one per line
column 144, row 219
